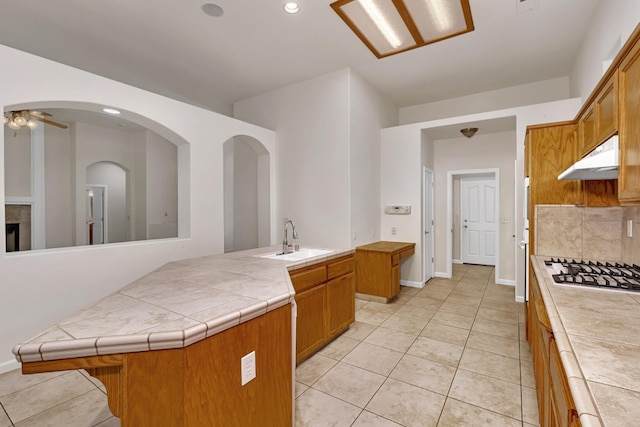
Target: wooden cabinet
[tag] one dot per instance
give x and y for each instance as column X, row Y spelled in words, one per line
column 599, row 120
column 629, row 177
column 378, row 268
column 325, row 296
column 341, row 304
column 549, row 150
column 199, row 385
column 311, row 325
column 586, row 132
column 555, row 402
column 606, row 110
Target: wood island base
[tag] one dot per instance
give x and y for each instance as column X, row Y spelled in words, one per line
column 200, row 384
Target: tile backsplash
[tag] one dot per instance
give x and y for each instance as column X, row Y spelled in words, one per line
column 588, row 233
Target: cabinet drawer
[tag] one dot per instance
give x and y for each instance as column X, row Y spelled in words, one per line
column 407, row 252
column 307, row 278
column 341, row 267
column 395, row 259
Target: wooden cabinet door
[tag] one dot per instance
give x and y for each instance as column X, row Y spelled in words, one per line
column 311, row 323
column 587, row 132
column 562, row 399
column 551, row 150
column 341, row 303
column 606, row 106
column 629, row 81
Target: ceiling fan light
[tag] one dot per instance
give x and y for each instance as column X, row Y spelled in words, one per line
column 32, row 124
column 19, row 120
column 13, row 125
column 5, row 120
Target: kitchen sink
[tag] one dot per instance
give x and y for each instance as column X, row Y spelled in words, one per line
column 302, row 254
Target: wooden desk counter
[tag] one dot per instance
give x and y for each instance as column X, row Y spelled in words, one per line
column 378, row 269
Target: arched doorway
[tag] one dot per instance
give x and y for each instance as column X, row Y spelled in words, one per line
column 246, row 194
column 107, row 200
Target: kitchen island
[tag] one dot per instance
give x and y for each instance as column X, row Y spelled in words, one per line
column 168, row 347
column 597, row 334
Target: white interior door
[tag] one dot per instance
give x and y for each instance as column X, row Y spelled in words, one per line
column 479, row 221
column 428, row 223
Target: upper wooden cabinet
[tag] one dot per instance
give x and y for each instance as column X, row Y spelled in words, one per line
column 606, row 109
column 599, row 119
column 629, row 175
column 549, row 150
column 586, row 132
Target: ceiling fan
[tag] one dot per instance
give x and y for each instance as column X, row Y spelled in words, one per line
column 30, row 118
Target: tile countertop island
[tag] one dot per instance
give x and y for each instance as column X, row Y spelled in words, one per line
column 168, row 346
column 598, row 336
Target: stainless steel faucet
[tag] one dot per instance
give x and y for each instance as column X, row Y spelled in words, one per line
column 287, row 248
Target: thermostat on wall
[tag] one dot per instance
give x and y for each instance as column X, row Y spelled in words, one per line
column 397, row 210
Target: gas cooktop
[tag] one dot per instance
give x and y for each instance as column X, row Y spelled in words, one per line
column 604, row 275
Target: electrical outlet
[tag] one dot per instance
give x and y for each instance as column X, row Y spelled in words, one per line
column 393, row 230
column 248, row 367
column 373, row 232
column 629, row 228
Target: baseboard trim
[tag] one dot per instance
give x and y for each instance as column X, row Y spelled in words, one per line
column 411, row 284
column 519, row 299
column 9, row 365
column 506, row 282
column 457, row 261
column 442, row 275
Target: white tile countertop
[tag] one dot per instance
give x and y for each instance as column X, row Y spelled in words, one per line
column 174, row 306
column 598, row 336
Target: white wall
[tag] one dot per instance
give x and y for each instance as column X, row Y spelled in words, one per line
column 401, row 184
column 401, row 177
column 311, row 121
column 489, row 151
column 369, row 112
column 41, row 288
column 612, row 24
column 58, row 188
column 17, row 174
column 162, row 186
column 528, row 94
column 245, row 196
column 328, row 140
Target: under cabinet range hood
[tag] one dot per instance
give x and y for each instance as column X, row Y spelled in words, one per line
column 601, row 163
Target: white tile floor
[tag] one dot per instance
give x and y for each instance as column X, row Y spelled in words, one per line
column 451, row 354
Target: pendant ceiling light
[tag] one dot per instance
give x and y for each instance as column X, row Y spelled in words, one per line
column 388, row 27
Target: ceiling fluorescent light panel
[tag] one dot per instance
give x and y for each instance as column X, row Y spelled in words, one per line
column 388, row 27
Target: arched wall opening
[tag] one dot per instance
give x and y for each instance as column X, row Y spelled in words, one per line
column 247, row 216
column 54, row 162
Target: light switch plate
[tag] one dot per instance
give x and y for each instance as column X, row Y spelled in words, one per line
column 629, row 228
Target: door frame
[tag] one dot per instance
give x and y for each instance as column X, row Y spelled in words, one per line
column 450, row 174
column 431, row 207
column 105, row 212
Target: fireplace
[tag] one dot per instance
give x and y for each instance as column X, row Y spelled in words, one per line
column 18, row 227
column 12, row 232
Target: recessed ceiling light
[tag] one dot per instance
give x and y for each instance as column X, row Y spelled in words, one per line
column 291, row 7
column 212, row 9
column 110, row 111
